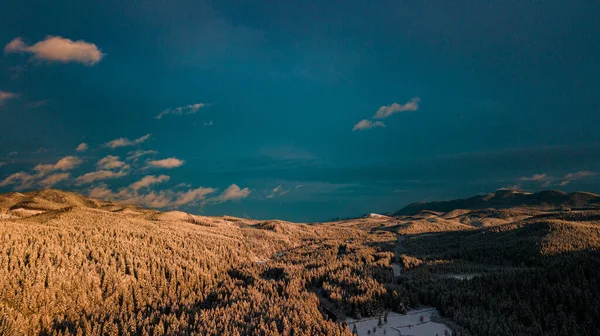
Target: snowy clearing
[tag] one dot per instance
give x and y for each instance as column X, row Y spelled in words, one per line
column 398, row 324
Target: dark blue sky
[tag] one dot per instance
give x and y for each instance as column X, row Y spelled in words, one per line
column 300, row 110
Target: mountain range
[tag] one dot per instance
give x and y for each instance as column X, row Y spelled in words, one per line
column 504, row 199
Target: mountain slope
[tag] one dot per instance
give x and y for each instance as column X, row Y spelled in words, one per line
column 503, row 199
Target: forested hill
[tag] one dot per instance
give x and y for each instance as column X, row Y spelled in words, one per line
column 503, row 199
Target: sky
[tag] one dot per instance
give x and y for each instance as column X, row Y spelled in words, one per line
column 298, row 110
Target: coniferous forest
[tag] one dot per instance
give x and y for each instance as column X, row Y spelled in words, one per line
column 96, row 268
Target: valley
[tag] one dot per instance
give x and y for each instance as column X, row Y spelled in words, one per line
column 70, row 264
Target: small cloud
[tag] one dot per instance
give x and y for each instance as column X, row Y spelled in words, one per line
column 53, row 179
column 576, row 176
column 511, row 187
column 232, row 193
column 134, row 155
column 277, row 191
column 100, row 175
column 208, row 123
column 82, row 147
column 189, row 109
column 166, row 163
column 367, row 124
column 4, row 96
column 387, row 110
column 154, row 199
column 21, row 180
column 193, row 196
column 123, row 142
column 149, row 180
column 547, row 180
column 58, row 49
column 536, row 177
column 110, row 162
column 64, row 164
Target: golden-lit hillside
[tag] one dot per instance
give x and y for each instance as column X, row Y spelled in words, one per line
column 85, row 266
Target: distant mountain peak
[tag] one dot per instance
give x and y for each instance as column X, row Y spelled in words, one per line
column 508, row 198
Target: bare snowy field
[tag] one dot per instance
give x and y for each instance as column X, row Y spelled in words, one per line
column 397, row 324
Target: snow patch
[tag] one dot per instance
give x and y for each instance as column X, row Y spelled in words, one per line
column 397, row 324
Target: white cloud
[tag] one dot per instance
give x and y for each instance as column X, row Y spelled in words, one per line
column 134, row 155
column 511, row 187
column 110, row 162
column 154, row 199
column 232, row 193
column 53, row 179
column 123, row 142
column 387, row 110
column 99, row 176
column 166, row 163
column 21, row 180
column 547, row 180
column 147, row 181
column 576, row 176
column 193, row 196
column 4, row 96
column 59, row 49
column 277, row 191
column 189, row 109
column 208, row 123
column 82, row 147
column 64, row 164
column 536, row 177
column 367, row 124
